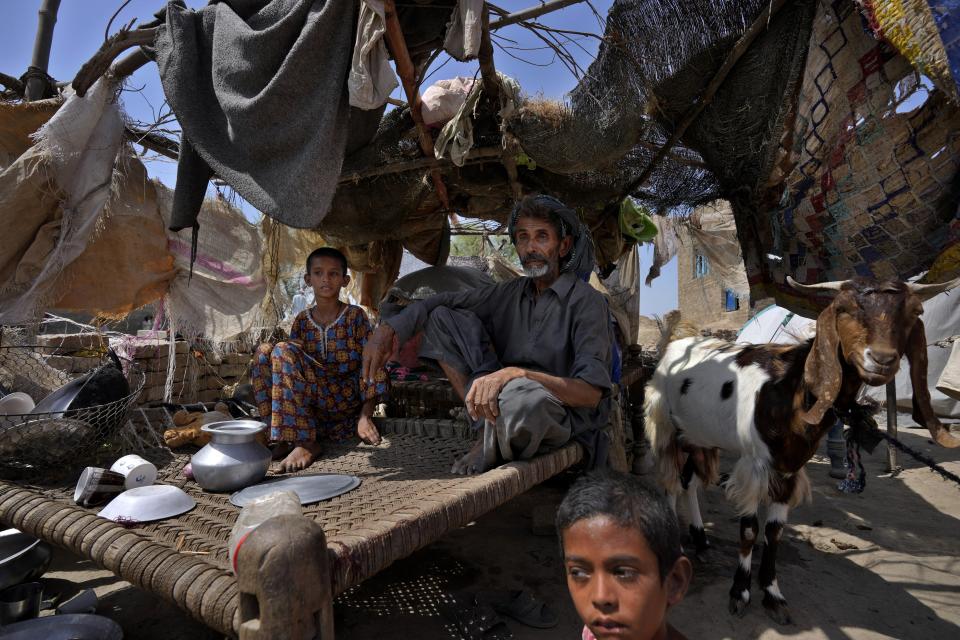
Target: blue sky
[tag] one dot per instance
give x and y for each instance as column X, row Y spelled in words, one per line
column 80, row 32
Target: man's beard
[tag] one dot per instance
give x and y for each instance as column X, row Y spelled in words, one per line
column 534, row 271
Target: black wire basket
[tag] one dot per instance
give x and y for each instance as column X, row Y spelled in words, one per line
column 68, row 437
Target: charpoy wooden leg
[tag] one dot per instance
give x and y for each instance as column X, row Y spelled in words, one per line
column 284, row 581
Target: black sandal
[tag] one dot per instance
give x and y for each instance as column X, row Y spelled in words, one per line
column 522, row 606
column 475, row 622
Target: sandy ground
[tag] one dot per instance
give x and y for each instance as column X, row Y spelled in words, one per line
column 883, row 564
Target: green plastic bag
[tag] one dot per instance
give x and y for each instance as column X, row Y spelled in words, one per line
column 635, row 221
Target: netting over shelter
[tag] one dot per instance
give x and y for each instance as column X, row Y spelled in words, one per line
column 829, row 125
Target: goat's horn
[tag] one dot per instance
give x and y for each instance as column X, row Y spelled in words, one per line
column 820, row 287
column 927, row 291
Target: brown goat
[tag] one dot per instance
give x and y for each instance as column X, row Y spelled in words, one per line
column 772, row 404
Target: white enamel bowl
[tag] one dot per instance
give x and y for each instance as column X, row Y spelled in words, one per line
column 145, row 504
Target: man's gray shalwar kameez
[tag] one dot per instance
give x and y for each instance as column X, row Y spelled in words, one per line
column 565, row 332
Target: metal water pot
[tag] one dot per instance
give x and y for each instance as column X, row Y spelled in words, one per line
column 233, row 459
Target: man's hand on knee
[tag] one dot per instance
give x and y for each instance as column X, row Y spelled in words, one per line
column 483, row 399
column 378, row 348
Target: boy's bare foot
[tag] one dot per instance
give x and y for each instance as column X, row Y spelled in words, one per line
column 301, row 457
column 280, row 450
column 472, row 461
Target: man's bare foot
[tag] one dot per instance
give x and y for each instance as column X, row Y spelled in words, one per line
column 472, row 461
column 301, row 457
column 280, row 450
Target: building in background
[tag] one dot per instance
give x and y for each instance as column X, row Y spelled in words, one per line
column 712, row 289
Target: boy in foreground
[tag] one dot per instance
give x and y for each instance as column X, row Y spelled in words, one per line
column 622, row 557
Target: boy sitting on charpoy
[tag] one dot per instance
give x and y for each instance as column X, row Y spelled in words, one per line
column 622, row 556
column 309, row 388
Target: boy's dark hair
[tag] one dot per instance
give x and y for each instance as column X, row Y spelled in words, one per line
column 630, row 502
column 327, row 252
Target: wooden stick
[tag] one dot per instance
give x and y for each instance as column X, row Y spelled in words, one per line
column 12, row 84
column 154, row 142
column 891, row 424
column 119, row 42
column 127, row 65
column 741, row 47
column 491, row 83
column 474, row 156
column 37, row 84
column 408, row 77
column 532, row 12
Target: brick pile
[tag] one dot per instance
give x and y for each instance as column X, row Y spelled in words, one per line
column 200, row 375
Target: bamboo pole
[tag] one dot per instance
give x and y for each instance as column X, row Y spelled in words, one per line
column 533, row 12
column 740, row 48
column 408, row 77
column 37, row 85
column 473, row 157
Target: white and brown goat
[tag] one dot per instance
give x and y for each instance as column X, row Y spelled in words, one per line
column 772, row 404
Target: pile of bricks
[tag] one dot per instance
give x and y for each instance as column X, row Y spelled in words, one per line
column 199, row 375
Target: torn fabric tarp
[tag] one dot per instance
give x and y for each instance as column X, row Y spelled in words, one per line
column 52, row 197
column 371, row 79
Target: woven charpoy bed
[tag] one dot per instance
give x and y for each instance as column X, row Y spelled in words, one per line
column 407, row 499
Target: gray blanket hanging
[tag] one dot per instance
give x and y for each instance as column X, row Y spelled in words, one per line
column 259, row 89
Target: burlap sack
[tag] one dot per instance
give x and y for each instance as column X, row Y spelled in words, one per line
column 131, row 247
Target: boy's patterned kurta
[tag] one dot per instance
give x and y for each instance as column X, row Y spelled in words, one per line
column 310, row 388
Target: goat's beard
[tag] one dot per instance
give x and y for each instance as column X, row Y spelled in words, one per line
column 532, row 271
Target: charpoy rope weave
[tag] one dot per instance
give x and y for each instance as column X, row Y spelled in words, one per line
column 407, row 499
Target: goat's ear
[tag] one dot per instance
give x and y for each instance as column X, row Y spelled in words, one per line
column 822, row 373
column 922, row 411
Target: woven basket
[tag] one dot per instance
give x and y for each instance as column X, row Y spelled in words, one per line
column 39, row 441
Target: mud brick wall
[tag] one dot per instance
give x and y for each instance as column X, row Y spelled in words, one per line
column 200, row 375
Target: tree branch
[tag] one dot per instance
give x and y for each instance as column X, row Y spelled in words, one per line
column 12, row 84
column 532, row 12
column 475, row 156
column 94, row 68
column 408, row 77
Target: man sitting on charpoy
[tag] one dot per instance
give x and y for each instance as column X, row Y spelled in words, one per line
column 531, row 357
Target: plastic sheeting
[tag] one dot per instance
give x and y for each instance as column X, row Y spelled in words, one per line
column 714, row 233
column 223, row 296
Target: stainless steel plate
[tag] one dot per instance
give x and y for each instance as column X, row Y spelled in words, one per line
column 310, row 488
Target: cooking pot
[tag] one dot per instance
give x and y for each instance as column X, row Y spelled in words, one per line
column 233, row 459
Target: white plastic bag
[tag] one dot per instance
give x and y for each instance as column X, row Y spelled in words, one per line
column 256, row 513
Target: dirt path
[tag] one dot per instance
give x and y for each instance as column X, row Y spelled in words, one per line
column 883, row 564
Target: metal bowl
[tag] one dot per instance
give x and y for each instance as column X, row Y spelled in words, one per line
column 146, row 504
column 22, row 558
column 16, row 403
column 61, row 399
